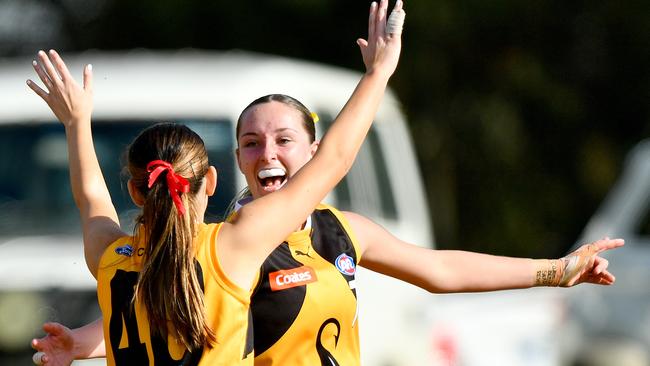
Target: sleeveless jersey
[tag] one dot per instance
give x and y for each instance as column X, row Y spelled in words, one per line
column 304, row 306
column 128, row 338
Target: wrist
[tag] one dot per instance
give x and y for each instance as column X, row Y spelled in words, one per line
column 548, row 272
column 78, row 350
column 377, row 74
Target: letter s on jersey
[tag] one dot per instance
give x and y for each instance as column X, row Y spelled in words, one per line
column 288, row 278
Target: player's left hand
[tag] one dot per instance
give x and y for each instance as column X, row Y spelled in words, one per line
column 585, row 265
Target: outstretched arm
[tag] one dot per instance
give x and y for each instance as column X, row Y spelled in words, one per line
column 72, row 105
column 61, row 345
column 257, row 231
column 448, row 271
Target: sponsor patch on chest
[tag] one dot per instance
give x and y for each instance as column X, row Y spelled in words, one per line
column 288, row 278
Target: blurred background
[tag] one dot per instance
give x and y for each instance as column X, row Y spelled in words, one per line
column 521, row 113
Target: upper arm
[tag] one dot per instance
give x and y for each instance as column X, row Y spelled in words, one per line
column 98, row 233
column 99, row 220
column 384, row 253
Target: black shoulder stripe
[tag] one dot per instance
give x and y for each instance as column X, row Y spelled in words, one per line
column 329, row 237
column 250, row 334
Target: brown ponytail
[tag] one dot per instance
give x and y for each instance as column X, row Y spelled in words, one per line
column 168, row 285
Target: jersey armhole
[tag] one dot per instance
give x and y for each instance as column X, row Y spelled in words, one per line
column 217, row 272
column 110, row 258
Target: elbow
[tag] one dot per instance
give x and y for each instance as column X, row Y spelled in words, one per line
column 346, row 165
column 337, row 164
column 344, row 160
column 437, row 290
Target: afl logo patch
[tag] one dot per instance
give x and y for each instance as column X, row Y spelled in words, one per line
column 345, row 264
column 125, row 250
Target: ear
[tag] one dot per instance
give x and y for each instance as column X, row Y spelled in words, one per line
column 211, row 181
column 136, row 196
column 314, row 147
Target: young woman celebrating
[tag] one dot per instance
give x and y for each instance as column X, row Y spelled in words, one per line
column 177, row 291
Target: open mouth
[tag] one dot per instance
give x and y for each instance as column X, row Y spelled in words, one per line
column 272, row 179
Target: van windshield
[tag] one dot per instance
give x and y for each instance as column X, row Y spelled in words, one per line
column 35, row 194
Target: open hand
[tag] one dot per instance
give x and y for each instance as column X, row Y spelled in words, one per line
column 57, row 345
column 381, row 51
column 68, row 100
column 584, row 264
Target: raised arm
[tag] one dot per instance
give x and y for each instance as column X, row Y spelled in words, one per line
column 264, row 223
column 449, row 271
column 72, row 104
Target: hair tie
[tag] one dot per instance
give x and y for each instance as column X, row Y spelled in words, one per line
column 314, row 117
column 175, row 183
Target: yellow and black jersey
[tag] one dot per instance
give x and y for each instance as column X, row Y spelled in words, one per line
column 304, row 306
column 128, row 338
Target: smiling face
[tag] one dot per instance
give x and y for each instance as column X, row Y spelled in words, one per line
column 273, row 145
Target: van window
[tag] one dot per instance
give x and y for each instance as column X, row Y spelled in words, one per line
column 35, row 194
column 366, row 189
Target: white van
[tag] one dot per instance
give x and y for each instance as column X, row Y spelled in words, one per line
column 43, row 275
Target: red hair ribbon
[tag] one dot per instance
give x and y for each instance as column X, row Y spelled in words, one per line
column 175, row 183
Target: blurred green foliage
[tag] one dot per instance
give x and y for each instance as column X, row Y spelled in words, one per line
column 521, row 111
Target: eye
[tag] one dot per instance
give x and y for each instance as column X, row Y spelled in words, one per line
column 284, row 140
column 249, row 143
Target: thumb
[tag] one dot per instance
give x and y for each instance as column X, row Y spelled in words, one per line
column 362, row 43
column 36, row 344
column 53, row 327
column 88, row 78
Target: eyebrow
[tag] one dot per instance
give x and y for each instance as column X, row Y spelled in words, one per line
column 276, row 131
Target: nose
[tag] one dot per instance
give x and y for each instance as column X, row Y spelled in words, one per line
column 270, row 152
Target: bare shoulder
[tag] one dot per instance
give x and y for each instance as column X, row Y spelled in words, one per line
column 357, row 219
column 101, row 232
column 362, row 224
column 368, row 232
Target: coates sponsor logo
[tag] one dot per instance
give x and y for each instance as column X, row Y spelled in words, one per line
column 345, row 264
column 288, row 278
